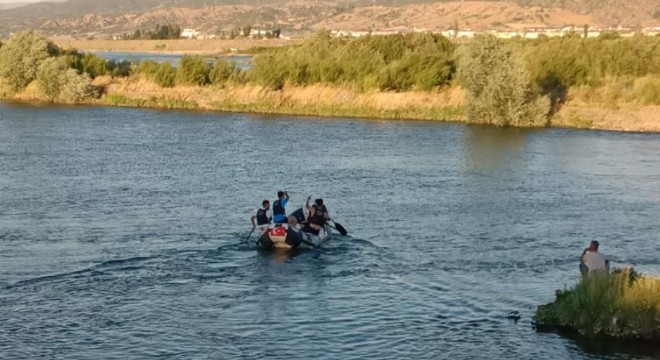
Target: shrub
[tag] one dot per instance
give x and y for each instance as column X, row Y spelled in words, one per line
column 148, row 67
column 94, row 66
column 21, row 56
column 221, row 72
column 499, row 90
column 50, row 77
column 165, row 75
column 623, row 305
column 60, row 82
column 119, row 68
column 193, row 70
column 393, row 62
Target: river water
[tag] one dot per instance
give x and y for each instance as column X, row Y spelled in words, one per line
column 121, row 235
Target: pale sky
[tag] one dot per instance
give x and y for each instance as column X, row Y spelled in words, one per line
column 19, row 1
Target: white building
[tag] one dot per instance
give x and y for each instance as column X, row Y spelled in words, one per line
column 189, row 33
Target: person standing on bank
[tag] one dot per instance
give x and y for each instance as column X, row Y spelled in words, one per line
column 591, row 260
column 263, row 216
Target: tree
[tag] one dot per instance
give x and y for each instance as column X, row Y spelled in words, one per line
column 60, row 82
column 499, row 90
column 21, row 56
column 50, row 77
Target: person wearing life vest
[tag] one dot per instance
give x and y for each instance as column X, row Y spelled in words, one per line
column 263, row 216
column 318, row 215
column 279, row 210
column 279, row 207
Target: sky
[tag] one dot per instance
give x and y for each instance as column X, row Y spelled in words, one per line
column 18, row 1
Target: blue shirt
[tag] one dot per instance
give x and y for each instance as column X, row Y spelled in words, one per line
column 281, row 218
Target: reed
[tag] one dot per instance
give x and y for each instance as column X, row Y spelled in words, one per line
column 623, row 305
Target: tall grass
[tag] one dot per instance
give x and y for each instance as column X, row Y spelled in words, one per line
column 623, row 305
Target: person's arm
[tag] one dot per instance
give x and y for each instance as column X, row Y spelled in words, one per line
column 307, row 206
column 326, row 215
column 252, row 220
column 582, row 256
column 286, row 195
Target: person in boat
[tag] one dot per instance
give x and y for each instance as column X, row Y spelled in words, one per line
column 318, row 215
column 279, row 210
column 263, row 217
column 591, row 260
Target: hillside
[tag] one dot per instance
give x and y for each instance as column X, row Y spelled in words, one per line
column 118, row 16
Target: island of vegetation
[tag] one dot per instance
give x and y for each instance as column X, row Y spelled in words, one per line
column 623, row 306
column 605, row 83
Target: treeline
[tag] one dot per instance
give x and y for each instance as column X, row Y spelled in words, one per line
column 160, row 32
column 416, row 60
column 192, row 70
column 507, row 82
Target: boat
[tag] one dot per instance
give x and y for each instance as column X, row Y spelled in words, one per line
column 285, row 237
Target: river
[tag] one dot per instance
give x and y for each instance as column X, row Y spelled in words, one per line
column 243, row 62
column 121, row 235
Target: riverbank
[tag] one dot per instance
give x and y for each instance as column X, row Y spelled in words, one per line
column 332, row 101
column 179, row 46
column 624, row 305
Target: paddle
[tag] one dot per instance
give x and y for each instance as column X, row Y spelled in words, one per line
column 250, row 234
column 339, row 228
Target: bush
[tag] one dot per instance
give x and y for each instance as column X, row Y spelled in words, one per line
column 221, row 72
column 499, row 90
column 165, row 76
column 50, row 77
column 394, row 62
column 60, row 82
column 21, row 56
column 193, row 70
column 94, row 66
column 622, row 305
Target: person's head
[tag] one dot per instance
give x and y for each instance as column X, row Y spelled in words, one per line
column 280, row 194
column 318, row 202
column 594, row 245
column 265, row 204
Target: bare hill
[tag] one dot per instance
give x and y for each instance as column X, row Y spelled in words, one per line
column 118, row 16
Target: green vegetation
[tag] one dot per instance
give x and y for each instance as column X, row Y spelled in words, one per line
column 60, row 82
column 499, row 89
column 193, row 70
column 502, row 82
column 399, row 63
column 21, row 56
column 160, row 32
column 622, row 305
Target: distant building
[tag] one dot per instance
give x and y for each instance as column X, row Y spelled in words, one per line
column 189, row 33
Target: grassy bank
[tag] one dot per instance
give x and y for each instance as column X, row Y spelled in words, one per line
column 623, row 305
column 447, row 104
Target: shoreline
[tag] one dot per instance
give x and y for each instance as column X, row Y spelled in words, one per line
column 330, row 102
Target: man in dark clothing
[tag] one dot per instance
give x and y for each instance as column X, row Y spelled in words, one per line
column 263, row 216
column 318, row 215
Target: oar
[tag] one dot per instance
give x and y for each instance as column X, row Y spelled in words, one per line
column 339, row 228
column 250, row 234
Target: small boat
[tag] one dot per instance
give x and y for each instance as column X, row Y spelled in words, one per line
column 285, row 237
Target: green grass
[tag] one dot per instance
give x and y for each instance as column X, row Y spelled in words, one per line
column 622, row 305
column 411, row 113
column 153, row 102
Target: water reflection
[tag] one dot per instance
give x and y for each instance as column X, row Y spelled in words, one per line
column 489, row 147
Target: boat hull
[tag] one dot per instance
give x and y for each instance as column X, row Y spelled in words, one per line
column 285, row 237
